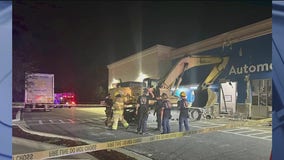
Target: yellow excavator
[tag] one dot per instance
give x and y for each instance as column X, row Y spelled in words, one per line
column 204, row 96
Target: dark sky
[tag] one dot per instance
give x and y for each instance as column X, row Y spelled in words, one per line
column 76, row 40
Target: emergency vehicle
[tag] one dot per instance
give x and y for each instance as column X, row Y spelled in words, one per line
column 65, row 99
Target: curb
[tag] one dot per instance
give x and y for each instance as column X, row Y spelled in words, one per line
column 264, row 120
column 18, row 117
column 260, row 122
column 46, row 146
column 121, row 150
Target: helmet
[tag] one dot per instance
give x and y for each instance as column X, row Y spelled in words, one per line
column 164, row 96
column 182, row 94
column 117, row 94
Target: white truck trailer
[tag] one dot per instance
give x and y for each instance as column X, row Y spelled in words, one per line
column 39, row 92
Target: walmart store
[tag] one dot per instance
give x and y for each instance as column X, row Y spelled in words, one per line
column 244, row 87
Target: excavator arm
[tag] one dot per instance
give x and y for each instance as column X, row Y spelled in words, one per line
column 194, row 61
column 203, row 95
column 216, row 71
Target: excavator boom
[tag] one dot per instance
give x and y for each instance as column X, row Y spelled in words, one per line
column 189, row 62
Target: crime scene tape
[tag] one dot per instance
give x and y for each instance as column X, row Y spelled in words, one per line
column 118, row 143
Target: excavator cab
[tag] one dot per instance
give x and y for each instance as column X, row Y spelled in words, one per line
column 155, row 89
column 152, row 85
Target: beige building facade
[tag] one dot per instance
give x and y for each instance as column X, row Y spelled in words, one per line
column 153, row 62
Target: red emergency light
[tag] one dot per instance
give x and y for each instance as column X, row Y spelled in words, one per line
column 65, row 98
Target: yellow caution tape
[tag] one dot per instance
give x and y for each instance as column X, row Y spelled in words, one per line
column 118, row 143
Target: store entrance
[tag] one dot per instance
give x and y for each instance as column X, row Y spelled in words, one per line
column 228, row 97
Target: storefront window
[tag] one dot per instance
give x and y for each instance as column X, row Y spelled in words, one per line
column 262, row 92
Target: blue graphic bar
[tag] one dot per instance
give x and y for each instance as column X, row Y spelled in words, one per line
column 6, row 79
column 278, row 80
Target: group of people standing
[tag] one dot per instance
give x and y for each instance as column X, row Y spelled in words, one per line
column 114, row 111
column 163, row 113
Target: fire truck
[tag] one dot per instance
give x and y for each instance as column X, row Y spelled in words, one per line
column 65, row 99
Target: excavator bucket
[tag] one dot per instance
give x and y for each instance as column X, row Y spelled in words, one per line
column 200, row 98
column 204, row 98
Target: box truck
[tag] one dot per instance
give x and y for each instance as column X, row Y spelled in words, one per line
column 39, row 92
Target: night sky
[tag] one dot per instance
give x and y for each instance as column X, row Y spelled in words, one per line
column 77, row 40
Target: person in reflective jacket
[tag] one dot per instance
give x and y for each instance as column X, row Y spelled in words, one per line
column 108, row 110
column 118, row 109
column 183, row 114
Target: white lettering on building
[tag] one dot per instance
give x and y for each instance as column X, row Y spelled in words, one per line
column 245, row 69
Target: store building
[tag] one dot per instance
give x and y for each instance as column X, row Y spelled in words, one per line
column 245, row 82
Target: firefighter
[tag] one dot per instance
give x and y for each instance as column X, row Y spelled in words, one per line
column 118, row 109
column 108, row 110
column 166, row 114
column 157, row 112
column 183, row 114
column 142, row 110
